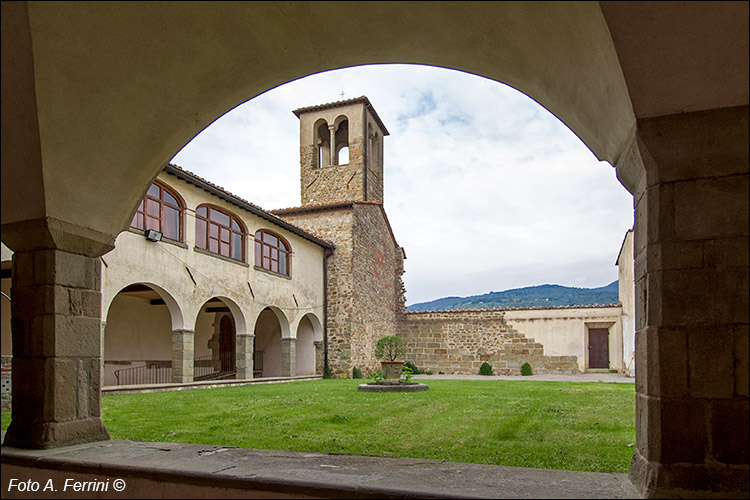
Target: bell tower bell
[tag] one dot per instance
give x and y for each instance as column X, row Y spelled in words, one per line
column 341, row 152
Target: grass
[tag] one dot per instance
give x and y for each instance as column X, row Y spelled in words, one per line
column 551, row 425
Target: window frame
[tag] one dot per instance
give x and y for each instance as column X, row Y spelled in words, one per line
column 260, row 257
column 207, row 237
column 143, row 215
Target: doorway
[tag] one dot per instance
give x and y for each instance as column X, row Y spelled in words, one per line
column 226, row 344
column 598, row 348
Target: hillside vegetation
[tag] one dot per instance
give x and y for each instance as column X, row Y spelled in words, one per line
column 533, row 296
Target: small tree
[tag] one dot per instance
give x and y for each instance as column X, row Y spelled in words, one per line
column 485, row 369
column 526, row 369
column 389, row 348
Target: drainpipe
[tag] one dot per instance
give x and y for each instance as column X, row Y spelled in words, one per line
column 326, row 254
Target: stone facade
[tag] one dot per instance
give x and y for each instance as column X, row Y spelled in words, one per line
column 365, row 291
column 458, row 342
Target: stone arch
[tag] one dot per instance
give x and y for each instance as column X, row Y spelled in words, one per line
column 321, row 140
column 272, row 333
column 137, row 335
column 309, row 346
column 175, row 310
column 341, row 148
column 219, row 323
column 556, row 79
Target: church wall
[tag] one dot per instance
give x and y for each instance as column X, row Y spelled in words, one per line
column 378, row 288
column 458, row 342
column 334, row 183
column 326, row 183
column 335, row 225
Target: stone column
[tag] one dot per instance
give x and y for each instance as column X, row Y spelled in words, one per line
column 288, row 357
column 56, row 332
column 245, row 351
column 183, row 355
column 319, row 357
column 332, row 148
column 691, row 271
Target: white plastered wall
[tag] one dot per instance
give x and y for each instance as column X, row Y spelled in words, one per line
column 564, row 331
column 173, row 266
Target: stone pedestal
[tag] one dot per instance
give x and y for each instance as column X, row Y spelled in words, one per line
column 288, row 357
column 691, row 271
column 56, row 328
column 245, row 349
column 319, row 357
column 183, row 356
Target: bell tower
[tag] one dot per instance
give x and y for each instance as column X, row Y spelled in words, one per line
column 341, row 152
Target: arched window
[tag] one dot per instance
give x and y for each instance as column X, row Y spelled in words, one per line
column 271, row 252
column 219, row 232
column 161, row 211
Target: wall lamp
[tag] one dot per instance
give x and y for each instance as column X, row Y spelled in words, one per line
column 153, row 235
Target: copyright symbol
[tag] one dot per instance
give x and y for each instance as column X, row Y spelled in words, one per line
column 119, row 484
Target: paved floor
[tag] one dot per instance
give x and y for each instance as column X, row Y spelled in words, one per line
column 171, row 470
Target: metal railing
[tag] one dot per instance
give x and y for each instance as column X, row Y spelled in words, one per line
column 147, row 374
column 213, row 366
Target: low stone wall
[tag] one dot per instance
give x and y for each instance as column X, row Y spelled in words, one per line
column 458, row 342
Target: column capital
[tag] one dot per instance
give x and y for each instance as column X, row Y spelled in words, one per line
column 48, row 233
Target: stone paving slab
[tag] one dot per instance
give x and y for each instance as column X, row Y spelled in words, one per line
column 322, row 475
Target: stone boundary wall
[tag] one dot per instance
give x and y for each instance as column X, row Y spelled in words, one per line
column 458, row 342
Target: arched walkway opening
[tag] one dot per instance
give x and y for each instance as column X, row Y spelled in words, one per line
column 309, row 346
column 215, row 342
column 268, row 355
column 137, row 342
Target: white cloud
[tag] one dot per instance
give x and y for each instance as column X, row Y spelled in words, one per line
column 484, row 188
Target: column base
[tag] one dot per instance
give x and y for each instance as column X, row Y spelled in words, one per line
column 55, row 434
column 657, row 480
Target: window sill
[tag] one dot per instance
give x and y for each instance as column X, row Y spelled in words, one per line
column 164, row 239
column 272, row 273
column 219, row 256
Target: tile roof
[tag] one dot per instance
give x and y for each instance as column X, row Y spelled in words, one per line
column 222, row 193
column 341, row 204
column 336, row 104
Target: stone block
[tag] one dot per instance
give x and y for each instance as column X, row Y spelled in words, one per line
column 66, row 269
column 663, row 423
column 666, row 367
column 61, row 394
column 58, row 335
column 741, row 353
column 711, row 208
column 711, row 356
column 729, row 432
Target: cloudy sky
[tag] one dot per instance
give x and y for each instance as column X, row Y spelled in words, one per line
column 484, row 188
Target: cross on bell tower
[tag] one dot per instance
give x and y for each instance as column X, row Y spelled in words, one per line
column 341, row 152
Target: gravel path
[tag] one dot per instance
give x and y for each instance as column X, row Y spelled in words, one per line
column 581, row 377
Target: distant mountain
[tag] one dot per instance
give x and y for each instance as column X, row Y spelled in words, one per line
column 532, row 296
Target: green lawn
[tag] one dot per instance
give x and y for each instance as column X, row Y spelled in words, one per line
column 553, row 425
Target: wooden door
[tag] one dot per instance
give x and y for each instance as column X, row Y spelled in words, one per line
column 226, row 344
column 598, row 348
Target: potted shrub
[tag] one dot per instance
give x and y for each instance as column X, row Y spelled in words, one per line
column 388, row 350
